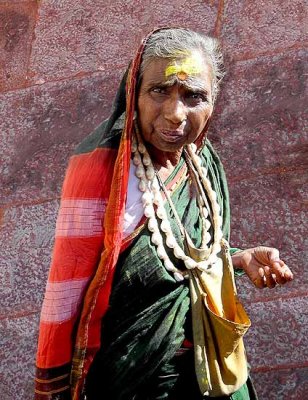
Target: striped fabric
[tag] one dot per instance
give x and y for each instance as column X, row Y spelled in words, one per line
column 80, row 218
column 62, row 300
column 89, row 238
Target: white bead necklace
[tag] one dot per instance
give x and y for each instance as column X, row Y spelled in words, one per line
column 154, row 210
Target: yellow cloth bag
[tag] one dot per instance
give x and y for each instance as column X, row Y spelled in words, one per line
column 219, row 324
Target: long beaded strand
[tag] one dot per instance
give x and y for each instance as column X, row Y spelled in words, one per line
column 151, row 196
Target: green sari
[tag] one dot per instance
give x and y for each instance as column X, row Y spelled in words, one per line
column 149, row 314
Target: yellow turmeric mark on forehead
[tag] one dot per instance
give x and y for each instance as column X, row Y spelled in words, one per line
column 184, row 67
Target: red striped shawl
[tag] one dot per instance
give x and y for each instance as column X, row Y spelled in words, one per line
column 87, row 245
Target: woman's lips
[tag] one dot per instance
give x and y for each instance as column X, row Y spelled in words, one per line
column 172, row 136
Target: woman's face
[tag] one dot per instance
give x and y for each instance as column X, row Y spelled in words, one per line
column 174, row 102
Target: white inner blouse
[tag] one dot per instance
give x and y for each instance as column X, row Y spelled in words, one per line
column 133, row 207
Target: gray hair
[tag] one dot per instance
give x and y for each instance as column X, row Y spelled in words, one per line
column 165, row 43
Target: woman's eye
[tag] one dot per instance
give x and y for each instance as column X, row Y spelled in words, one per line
column 158, row 90
column 197, row 97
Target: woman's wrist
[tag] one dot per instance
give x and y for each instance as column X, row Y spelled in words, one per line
column 236, row 256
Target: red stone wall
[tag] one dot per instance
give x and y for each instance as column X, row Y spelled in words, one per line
column 60, row 63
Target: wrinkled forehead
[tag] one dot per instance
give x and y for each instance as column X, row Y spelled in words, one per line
column 187, row 68
column 185, row 64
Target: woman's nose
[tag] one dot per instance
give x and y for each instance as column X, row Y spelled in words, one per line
column 175, row 110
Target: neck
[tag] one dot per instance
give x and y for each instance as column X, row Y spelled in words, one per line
column 163, row 158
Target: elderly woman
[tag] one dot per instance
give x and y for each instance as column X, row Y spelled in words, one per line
column 141, row 302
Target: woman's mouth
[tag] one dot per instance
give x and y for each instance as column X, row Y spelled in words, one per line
column 172, row 136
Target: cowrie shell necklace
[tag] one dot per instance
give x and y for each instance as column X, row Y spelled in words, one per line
column 150, row 185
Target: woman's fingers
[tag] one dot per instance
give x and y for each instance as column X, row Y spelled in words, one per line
column 259, row 281
column 269, row 278
column 275, row 270
column 266, row 255
column 282, row 272
column 278, row 270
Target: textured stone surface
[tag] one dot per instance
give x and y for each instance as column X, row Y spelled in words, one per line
column 71, row 40
column 60, row 64
column 281, row 331
column 43, row 125
column 29, row 230
column 17, row 22
column 263, row 100
column 4, row 3
column 18, row 338
column 251, row 28
column 285, row 384
column 264, row 212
